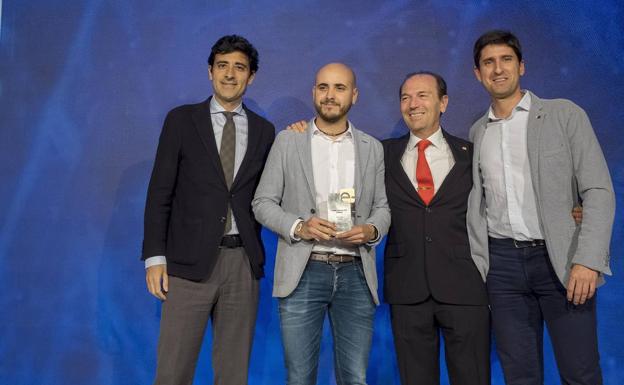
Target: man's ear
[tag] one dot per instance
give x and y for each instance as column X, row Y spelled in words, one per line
column 355, row 96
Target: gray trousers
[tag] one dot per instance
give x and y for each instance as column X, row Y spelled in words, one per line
column 230, row 298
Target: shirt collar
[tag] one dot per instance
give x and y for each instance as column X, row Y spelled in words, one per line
column 523, row 105
column 216, row 108
column 317, row 131
column 436, row 139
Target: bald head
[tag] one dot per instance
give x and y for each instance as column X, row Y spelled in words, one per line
column 334, row 93
column 337, row 69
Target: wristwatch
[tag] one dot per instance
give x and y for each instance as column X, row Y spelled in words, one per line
column 298, row 228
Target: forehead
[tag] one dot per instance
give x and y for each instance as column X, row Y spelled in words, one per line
column 418, row 83
column 497, row 50
column 334, row 75
column 232, row 57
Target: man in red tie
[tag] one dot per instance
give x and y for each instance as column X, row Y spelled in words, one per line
column 430, row 279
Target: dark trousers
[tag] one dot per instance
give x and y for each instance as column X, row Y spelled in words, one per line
column 466, row 331
column 524, row 293
column 229, row 297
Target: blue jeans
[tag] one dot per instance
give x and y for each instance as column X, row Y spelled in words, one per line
column 524, row 294
column 339, row 289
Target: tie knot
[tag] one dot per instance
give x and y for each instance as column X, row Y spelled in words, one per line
column 423, row 144
column 229, row 115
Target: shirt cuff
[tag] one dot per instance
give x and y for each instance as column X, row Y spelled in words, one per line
column 374, row 241
column 156, row 260
column 292, row 230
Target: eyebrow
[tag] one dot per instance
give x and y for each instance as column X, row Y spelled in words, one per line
column 227, row 62
column 334, row 84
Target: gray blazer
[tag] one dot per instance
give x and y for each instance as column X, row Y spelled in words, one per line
column 286, row 192
column 567, row 165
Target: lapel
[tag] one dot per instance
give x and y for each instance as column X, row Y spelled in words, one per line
column 304, row 149
column 461, row 156
column 394, row 166
column 361, row 149
column 477, row 140
column 534, row 129
column 203, row 125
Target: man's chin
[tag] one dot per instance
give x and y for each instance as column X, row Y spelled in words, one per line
column 331, row 118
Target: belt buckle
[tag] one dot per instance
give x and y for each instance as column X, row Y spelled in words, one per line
column 525, row 244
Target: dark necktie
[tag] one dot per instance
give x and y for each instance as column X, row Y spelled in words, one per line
column 423, row 173
column 227, row 155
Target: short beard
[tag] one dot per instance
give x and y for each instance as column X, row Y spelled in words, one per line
column 333, row 118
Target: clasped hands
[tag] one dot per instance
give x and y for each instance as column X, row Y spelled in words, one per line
column 319, row 229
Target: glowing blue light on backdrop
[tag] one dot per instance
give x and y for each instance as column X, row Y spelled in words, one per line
column 84, row 89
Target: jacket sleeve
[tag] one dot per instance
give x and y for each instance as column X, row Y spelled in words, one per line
column 595, row 191
column 266, row 204
column 380, row 211
column 161, row 191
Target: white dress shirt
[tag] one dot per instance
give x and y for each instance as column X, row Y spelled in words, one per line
column 333, row 167
column 438, row 155
column 218, row 122
column 504, row 162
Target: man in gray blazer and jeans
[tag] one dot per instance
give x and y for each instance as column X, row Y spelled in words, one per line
column 325, row 264
column 533, row 160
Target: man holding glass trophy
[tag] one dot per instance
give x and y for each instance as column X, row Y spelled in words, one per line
column 323, row 193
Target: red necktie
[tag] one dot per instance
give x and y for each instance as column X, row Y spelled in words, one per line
column 423, row 173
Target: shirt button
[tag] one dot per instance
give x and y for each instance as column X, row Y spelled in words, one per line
column 428, row 239
column 312, row 211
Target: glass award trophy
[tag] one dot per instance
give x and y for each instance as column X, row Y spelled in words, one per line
column 341, row 209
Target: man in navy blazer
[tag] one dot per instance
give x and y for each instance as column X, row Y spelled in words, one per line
column 430, row 280
column 534, row 159
column 202, row 248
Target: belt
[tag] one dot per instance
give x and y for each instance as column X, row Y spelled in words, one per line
column 509, row 242
column 330, row 257
column 231, row 241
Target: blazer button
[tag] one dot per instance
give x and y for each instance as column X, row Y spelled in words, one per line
column 428, row 239
column 222, row 219
column 312, row 211
column 427, row 210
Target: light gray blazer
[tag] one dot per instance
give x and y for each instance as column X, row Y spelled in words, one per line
column 567, row 165
column 286, row 192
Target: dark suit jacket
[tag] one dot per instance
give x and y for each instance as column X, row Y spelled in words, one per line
column 187, row 197
column 427, row 250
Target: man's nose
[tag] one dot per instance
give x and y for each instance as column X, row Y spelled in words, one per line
column 498, row 68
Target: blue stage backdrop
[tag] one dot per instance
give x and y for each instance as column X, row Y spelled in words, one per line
column 85, row 86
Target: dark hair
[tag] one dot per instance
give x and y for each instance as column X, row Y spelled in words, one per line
column 496, row 36
column 231, row 43
column 439, row 81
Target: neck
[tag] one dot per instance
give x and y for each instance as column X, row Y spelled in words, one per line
column 425, row 133
column 502, row 108
column 228, row 106
column 331, row 128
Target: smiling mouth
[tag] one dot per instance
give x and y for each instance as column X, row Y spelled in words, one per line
column 416, row 114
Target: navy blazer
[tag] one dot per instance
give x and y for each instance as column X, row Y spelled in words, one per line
column 187, row 197
column 427, row 250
